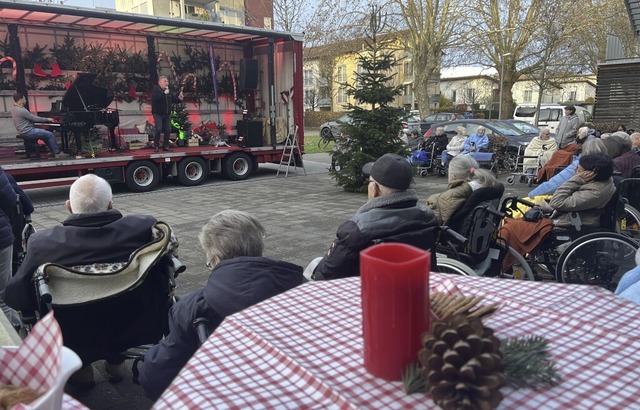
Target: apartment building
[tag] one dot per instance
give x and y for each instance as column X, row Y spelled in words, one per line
column 253, row 13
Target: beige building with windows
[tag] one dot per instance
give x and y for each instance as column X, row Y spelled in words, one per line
column 253, row 13
column 579, row 88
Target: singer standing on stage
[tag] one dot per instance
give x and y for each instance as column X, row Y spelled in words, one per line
column 161, row 101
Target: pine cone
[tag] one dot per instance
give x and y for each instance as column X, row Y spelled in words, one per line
column 462, row 364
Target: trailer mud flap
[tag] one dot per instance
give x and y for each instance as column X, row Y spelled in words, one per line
column 111, row 174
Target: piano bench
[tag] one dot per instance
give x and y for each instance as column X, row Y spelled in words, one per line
column 31, row 146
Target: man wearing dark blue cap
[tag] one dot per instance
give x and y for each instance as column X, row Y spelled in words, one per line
column 391, row 214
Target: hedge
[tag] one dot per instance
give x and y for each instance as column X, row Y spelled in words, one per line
column 314, row 119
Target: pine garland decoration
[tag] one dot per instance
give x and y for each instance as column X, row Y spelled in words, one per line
column 527, row 363
column 412, row 379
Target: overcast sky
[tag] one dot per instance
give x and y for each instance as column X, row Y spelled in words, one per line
column 91, row 3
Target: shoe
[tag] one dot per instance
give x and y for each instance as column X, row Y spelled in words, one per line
column 156, row 149
column 61, row 155
column 115, row 371
column 167, row 149
column 83, row 378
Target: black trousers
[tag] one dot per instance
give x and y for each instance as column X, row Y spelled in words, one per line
column 163, row 125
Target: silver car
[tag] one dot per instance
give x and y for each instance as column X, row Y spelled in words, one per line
column 331, row 129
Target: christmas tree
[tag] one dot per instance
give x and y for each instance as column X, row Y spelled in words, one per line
column 373, row 130
column 180, row 121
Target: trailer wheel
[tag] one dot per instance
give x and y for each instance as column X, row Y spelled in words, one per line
column 237, row 166
column 142, row 176
column 192, row 171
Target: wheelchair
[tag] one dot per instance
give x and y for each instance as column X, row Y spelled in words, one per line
column 112, row 310
column 476, row 249
column 425, row 161
column 629, row 221
column 582, row 255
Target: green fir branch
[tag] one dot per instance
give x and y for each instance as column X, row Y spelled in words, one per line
column 527, row 363
column 412, row 379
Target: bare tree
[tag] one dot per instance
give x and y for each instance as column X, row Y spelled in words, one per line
column 510, row 36
column 291, row 15
column 430, row 27
column 608, row 17
column 334, row 21
column 311, row 98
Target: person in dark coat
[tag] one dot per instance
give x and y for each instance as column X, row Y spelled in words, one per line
column 241, row 277
column 391, row 214
column 19, row 218
column 436, row 142
column 630, row 158
column 8, row 203
column 161, row 101
column 94, row 232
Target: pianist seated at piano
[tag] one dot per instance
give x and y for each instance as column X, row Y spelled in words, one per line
column 24, row 122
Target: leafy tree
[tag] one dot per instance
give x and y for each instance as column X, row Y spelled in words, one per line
column 373, row 131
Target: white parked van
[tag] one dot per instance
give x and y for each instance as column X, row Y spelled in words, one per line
column 550, row 115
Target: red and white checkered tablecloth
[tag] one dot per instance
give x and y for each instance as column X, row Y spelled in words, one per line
column 69, row 403
column 303, row 349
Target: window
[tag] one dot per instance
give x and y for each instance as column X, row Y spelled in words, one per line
column 572, row 95
column 359, row 72
column 342, row 74
column 528, row 95
column 469, row 94
column 453, row 96
column 407, row 67
column 308, row 77
column 342, row 96
column 550, row 114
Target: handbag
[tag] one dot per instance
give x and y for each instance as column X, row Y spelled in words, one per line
column 533, row 215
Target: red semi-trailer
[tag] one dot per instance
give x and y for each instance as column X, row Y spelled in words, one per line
column 264, row 66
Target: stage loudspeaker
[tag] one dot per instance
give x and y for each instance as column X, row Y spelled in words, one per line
column 248, row 74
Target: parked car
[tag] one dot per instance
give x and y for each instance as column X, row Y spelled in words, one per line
column 517, row 140
column 550, row 114
column 332, row 129
column 426, row 123
column 522, row 126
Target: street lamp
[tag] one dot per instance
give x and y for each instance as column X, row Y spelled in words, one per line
column 501, row 83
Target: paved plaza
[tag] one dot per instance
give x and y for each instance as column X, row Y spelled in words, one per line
column 300, row 214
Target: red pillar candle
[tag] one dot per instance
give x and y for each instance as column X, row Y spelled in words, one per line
column 395, row 306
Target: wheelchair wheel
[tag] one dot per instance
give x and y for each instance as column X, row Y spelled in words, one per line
column 630, row 222
column 599, row 258
column 448, row 265
column 511, row 180
column 521, row 269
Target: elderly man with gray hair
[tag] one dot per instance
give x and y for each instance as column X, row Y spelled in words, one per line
column 392, row 214
column 478, row 141
column 241, row 277
column 94, row 232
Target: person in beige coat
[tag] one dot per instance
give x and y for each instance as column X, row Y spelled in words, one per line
column 465, row 176
column 586, row 193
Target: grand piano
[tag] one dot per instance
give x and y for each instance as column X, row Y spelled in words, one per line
column 83, row 106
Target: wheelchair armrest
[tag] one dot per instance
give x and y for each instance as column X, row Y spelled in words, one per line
column 201, row 324
column 511, row 203
column 42, row 287
column 452, row 236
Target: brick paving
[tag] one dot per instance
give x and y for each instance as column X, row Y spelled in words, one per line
column 301, row 215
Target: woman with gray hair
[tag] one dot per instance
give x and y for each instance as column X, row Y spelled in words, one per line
column 455, row 146
column 465, row 176
column 241, row 277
